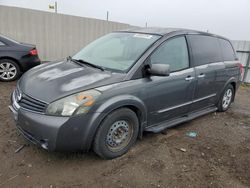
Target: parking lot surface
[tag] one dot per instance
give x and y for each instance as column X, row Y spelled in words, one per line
column 217, row 156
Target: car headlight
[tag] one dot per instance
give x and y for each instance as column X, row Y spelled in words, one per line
column 78, row 103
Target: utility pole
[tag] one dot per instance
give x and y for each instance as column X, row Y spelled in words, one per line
column 107, row 18
column 56, row 7
column 146, row 24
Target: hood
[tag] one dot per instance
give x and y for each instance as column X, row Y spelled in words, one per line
column 51, row 81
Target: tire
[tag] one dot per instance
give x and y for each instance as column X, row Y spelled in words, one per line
column 9, row 70
column 226, row 98
column 120, row 123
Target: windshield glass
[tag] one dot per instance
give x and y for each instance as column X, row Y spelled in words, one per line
column 116, row 51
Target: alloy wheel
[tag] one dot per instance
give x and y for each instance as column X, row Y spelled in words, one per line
column 7, row 71
column 227, row 98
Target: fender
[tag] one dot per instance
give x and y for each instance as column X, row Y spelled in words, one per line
column 12, row 58
column 112, row 104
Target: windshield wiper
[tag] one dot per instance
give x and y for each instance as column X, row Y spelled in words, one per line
column 85, row 62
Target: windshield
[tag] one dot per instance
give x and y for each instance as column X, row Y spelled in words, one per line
column 116, row 51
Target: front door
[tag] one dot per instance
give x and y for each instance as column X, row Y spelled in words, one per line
column 169, row 97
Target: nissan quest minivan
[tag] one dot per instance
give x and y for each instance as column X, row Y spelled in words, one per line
column 122, row 84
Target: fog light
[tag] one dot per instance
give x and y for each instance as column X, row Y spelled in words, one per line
column 44, row 144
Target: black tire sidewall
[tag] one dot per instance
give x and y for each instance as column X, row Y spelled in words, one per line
column 220, row 104
column 14, row 64
column 100, row 145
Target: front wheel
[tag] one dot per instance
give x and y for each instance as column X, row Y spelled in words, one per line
column 226, row 99
column 116, row 134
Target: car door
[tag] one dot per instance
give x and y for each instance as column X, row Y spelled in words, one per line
column 206, row 59
column 3, row 48
column 2, row 45
column 169, row 97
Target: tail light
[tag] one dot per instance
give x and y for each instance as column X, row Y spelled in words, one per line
column 241, row 68
column 33, row 51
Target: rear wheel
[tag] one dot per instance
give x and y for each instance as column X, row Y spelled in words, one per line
column 226, row 99
column 116, row 134
column 9, row 70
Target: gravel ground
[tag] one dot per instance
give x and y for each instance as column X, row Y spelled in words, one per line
column 218, row 157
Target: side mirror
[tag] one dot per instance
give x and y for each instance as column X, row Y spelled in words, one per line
column 159, row 70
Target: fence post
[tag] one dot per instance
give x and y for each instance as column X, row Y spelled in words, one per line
column 246, row 67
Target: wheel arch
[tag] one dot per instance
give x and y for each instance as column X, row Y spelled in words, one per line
column 13, row 59
column 131, row 102
column 232, row 81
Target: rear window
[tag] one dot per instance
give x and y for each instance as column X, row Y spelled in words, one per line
column 227, row 50
column 205, row 49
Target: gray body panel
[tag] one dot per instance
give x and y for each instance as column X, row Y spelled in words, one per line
column 158, row 101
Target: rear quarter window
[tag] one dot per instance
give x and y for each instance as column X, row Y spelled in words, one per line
column 227, row 50
column 205, row 49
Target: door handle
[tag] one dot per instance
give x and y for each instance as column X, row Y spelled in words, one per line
column 189, row 78
column 201, row 75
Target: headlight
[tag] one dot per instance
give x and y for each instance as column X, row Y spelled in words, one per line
column 79, row 103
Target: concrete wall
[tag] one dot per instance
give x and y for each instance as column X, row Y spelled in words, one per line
column 55, row 35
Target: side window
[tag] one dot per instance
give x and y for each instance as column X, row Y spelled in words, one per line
column 227, row 50
column 173, row 52
column 205, row 49
column 1, row 43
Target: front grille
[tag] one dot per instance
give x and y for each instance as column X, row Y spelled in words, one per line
column 29, row 103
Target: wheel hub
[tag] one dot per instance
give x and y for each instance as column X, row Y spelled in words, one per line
column 118, row 134
column 7, row 71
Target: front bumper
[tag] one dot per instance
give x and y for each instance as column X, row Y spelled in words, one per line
column 54, row 133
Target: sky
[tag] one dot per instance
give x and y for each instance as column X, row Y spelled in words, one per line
column 230, row 18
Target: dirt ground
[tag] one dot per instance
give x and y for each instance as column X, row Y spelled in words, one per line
column 218, row 157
